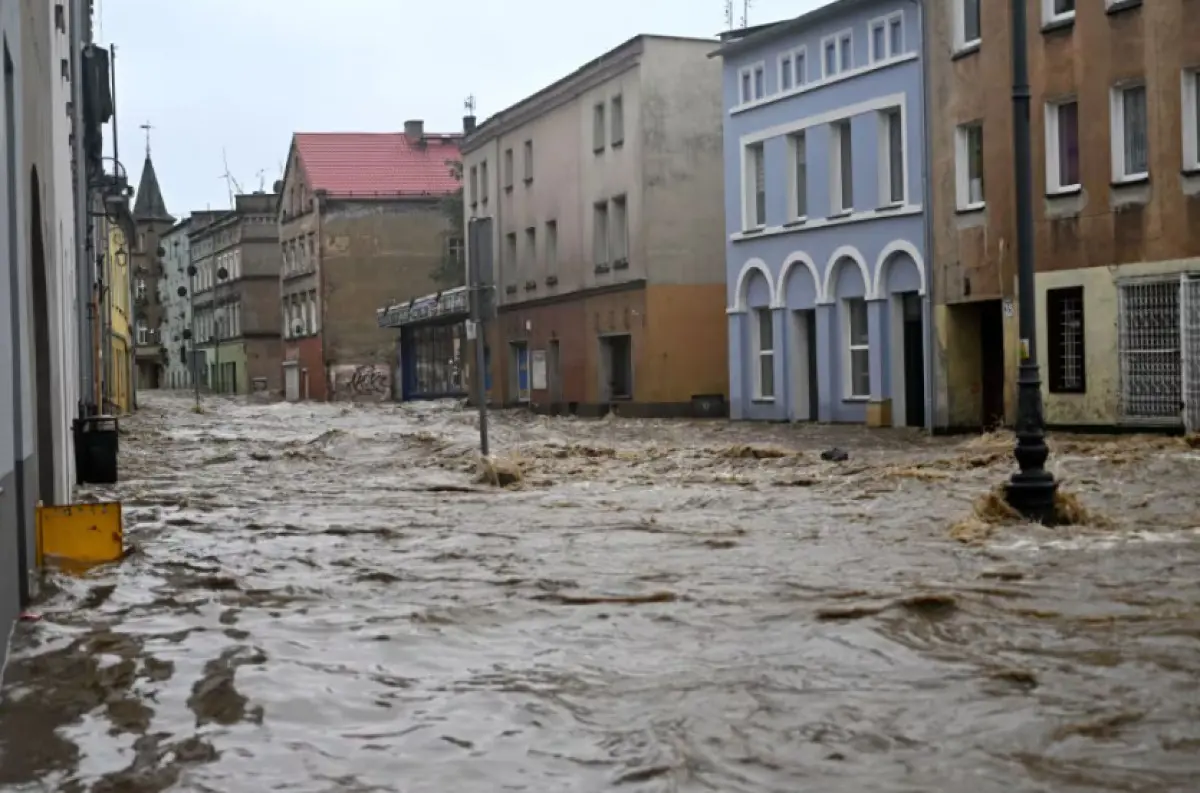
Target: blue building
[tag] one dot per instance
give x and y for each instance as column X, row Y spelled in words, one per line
column 825, row 207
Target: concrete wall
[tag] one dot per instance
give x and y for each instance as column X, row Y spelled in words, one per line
column 39, row 360
column 875, row 252
column 175, row 311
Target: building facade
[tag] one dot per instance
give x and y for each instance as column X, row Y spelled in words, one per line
column 119, row 374
column 605, row 194
column 360, row 217
column 236, row 296
column 825, row 217
column 175, row 310
column 152, row 219
column 432, row 349
column 1116, row 212
column 39, row 344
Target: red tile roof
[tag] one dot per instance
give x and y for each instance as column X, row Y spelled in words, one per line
column 378, row 164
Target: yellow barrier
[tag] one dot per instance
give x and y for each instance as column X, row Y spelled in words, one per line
column 80, row 533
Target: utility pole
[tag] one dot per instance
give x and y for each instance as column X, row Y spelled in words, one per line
column 479, row 287
column 1032, row 489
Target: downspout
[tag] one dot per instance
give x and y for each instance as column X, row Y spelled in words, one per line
column 82, row 252
column 927, row 215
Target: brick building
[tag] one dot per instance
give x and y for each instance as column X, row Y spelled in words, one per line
column 236, row 295
column 1115, row 113
column 361, row 220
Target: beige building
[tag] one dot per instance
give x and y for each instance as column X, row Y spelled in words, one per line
column 606, row 192
column 1116, row 172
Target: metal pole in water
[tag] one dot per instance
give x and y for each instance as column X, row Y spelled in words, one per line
column 478, row 263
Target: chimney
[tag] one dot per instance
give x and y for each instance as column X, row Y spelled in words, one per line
column 414, row 130
column 468, row 124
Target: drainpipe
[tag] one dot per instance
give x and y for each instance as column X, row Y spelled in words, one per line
column 927, row 215
column 83, row 259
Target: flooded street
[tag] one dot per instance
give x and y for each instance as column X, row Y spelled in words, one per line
column 324, row 598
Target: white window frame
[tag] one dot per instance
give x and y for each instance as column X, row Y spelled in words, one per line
column 962, row 168
column 961, row 42
column 1191, row 119
column 795, row 141
column 750, row 187
column 885, row 22
column 1054, row 182
column 760, row 315
column 751, row 70
column 1049, row 15
column 837, row 201
column 837, row 39
column 787, row 62
column 1117, row 122
column 849, row 348
column 885, row 162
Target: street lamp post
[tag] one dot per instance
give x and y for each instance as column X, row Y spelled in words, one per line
column 1031, row 490
column 218, row 322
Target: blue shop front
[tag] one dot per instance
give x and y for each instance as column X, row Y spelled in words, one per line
column 432, row 348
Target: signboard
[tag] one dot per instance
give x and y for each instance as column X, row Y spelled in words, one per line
column 538, row 366
column 439, row 304
column 480, row 277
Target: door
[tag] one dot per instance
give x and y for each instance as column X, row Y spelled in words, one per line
column 914, row 361
column 991, row 356
column 1189, row 332
column 554, row 372
column 291, row 383
column 520, row 359
column 804, row 365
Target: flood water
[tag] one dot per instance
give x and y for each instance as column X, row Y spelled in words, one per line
column 322, row 598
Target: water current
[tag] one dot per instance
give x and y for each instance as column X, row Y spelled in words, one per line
column 324, row 598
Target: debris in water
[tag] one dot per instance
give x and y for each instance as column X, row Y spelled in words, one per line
column 499, row 471
column 662, row 596
column 1020, row 677
column 745, row 451
column 855, row 611
column 930, row 604
column 835, row 455
column 261, row 456
column 221, row 458
column 992, row 511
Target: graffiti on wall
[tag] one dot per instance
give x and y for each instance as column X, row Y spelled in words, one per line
column 368, row 382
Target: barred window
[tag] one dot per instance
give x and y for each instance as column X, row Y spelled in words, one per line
column 1064, row 322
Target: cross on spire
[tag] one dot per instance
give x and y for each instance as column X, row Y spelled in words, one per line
column 147, row 127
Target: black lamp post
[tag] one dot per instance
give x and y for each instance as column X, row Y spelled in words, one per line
column 1032, row 489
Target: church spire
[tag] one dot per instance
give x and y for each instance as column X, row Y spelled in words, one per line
column 148, row 204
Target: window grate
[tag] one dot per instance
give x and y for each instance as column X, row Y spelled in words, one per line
column 1149, row 351
column 1190, row 338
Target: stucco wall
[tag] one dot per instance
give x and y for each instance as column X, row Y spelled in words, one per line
column 874, row 252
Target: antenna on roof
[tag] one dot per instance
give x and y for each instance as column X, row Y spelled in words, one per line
column 262, row 180
column 469, row 105
column 230, row 183
column 741, row 23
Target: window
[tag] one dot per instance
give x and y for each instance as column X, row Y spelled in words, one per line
column 1058, row 10
column 508, row 169
column 314, row 325
column 969, row 166
column 530, row 247
column 967, row 30
column 551, row 245
column 620, row 230
column 455, row 249
column 858, row 351
column 1191, row 120
column 837, row 54
column 600, row 232
column 798, row 147
column 843, row 168
column 474, row 185
column 887, row 37
column 483, row 181
column 618, row 121
column 1131, row 144
column 764, row 349
column 528, row 161
column 754, row 168
column 1064, row 323
column 792, row 66
column 891, row 175
column 143, row 333
column 510, row 248
column 598, row 127
column 752, row 83
column 1062, row 146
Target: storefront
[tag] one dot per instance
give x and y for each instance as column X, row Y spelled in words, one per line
column 432, row 348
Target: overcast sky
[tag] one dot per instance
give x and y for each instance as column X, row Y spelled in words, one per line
column 240, row 76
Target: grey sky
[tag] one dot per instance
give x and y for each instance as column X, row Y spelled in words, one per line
column 243, row 75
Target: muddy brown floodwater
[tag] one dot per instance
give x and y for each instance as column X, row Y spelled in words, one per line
column 323, row 598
